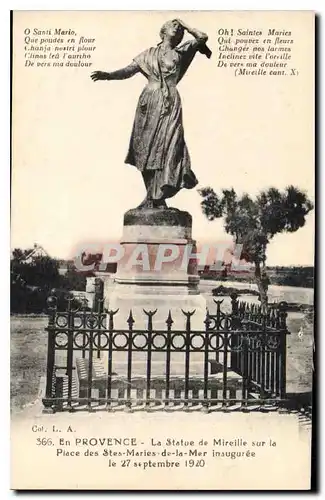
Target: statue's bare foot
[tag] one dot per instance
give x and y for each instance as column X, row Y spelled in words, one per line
column 149, row 203
column 160, row 204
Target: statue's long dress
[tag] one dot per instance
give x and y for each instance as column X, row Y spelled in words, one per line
column 157, row 146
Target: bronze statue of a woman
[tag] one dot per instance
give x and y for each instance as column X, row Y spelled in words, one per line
column 157, row 146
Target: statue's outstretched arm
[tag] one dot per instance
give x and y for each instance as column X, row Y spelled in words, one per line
column 120, row 74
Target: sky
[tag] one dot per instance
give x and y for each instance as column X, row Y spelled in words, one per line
column 70, row 186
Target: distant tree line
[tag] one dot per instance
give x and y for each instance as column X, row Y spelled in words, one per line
column 292, row 276
column 299, row 276
column 32, row 282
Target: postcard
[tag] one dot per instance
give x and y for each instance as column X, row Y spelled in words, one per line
column 162, row 260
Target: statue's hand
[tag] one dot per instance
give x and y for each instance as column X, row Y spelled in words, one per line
column 99, row 75
column 181, row 23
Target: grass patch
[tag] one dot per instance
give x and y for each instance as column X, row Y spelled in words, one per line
column 28, row 358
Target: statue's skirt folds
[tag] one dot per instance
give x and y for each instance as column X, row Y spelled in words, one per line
column 157, row 147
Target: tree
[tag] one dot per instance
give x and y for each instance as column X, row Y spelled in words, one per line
column 42, row 271
column 18, row 253
column 254, row 222
column 32, row 281
column 74, row 279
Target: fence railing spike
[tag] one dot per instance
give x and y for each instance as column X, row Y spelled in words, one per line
column 111, row 312
column 130, row 319
column 150, row 313
column 169, row 320
column 188, row 313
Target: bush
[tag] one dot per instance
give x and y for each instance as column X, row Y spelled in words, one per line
column 26, row 300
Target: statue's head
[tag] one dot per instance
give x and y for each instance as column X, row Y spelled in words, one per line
column 173, row 31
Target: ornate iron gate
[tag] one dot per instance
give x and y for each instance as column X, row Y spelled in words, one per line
column 237, row 360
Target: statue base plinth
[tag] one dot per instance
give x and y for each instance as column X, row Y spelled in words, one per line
column 156, row 271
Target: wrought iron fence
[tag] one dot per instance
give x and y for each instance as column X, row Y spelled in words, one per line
column 237, row 360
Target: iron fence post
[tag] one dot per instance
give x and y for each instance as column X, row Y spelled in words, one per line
column 282, row 314
column 130, row 322
column 70, row 351
column 110, row 358
column 188, row 315
column 263, row 358
column 205, row 406
column 47, row 400
column 234, row 326
column 244, row 372
column 169, row 323
column 149, row 314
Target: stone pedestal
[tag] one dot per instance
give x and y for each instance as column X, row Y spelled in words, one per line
column 155, row 271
